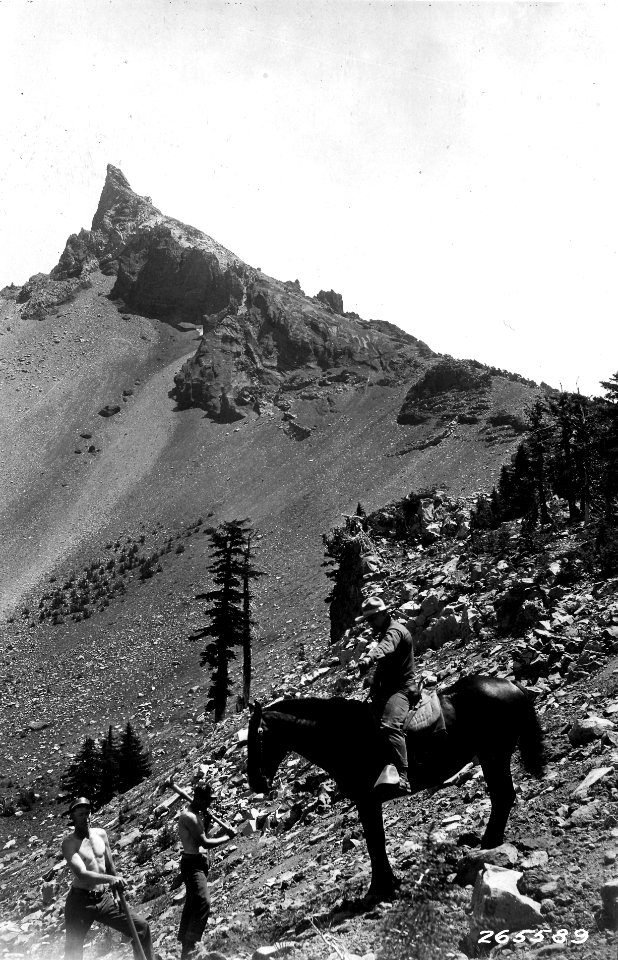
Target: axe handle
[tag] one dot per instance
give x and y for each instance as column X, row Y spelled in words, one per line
column 125, row 909
column 187, row 796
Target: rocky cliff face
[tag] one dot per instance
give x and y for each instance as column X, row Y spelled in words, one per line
column 261, row 338
column 273, row 344
column 265, row 343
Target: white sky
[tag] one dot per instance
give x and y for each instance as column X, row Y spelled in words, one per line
column 449, row 167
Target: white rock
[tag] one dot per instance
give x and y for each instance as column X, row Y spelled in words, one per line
column 597, row 774
column 498, row 904
column 587, row 729
column 537, row 858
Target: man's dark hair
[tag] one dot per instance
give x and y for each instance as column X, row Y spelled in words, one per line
column 202, row 795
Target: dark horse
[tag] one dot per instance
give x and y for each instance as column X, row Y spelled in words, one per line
column 485, row 718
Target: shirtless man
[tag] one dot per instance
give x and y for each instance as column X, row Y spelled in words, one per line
column 88, row 854
column 194, row 867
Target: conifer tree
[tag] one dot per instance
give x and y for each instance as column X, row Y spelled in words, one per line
column 133, row 759
column 82, row 777
column 583, row 454
column 249, row 573
column 608, row 450
column 109, row 770
column 227, row 626
column 538, row 454
column 563, row 464
column 516, row 496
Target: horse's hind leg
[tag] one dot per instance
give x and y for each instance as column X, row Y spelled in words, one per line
column 497, row 771
column 383, row 882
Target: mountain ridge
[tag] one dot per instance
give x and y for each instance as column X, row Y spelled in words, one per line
column 95, row 449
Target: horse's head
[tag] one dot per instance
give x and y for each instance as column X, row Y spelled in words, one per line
column 264, row 751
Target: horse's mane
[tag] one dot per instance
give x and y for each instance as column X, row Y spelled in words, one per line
column 318, row 710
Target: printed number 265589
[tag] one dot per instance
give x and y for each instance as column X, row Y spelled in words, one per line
column 533, row 936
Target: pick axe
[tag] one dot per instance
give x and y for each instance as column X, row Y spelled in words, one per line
column 187, row 796
column 126, row 911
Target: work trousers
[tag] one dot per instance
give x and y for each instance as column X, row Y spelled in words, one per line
column 391, row 713
column 194, row 870
column 81, row 910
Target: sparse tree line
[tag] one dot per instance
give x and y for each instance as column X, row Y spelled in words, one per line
column 101, row 769
column 571, row 451
column 105, row 580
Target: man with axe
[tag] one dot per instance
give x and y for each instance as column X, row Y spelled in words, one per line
column 193, row 864
column 88, row 854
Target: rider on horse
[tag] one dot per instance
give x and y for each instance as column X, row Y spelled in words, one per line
column 393, row 688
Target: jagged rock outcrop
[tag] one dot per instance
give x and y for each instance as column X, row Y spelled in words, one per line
column 271, row 339
column 265, row 343
column 331, row 299
column 261, row 337
column 446, row 378
column 160, row 275
column 120, row 215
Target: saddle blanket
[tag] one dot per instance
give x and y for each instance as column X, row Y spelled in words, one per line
column 426, row 715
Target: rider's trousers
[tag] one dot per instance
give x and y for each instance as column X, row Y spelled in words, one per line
column 392, row 713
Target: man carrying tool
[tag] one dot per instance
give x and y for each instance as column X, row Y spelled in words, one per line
column 88, row 854
column 393, row 689
column 194, row 866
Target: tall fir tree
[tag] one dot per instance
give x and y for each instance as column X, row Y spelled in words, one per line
column 226, row 626
column 584, row 453
column 133, row 760
column 515, row 496
column 83, row 775
column 608, row 450
column 109, row 770
column 249, row 573
column 538, row 448
column 563, row 466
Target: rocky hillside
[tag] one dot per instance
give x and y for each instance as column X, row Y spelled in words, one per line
column 142, row 310
column 290, row 882
column 151, row 385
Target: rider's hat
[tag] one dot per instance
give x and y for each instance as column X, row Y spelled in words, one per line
column 370, row 607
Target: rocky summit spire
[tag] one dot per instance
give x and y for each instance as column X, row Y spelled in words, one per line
column 118, row 202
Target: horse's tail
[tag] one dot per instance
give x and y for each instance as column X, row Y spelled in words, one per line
column 531, row 745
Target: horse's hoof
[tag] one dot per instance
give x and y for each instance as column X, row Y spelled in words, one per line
column 381, row 894
column 491, row 843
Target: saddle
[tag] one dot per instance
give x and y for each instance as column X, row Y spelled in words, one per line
column 426, row 716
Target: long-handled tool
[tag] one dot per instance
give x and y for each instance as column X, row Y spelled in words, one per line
column 187, row 796
column 125, row 907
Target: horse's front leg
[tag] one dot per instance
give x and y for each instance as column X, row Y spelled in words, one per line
column 497, row 772
column 383, row 881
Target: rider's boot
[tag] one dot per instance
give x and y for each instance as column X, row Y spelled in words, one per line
column 404, row 783
column 392, row 783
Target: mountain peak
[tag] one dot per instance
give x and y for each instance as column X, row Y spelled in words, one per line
column 118, row 202
column 115, row 175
